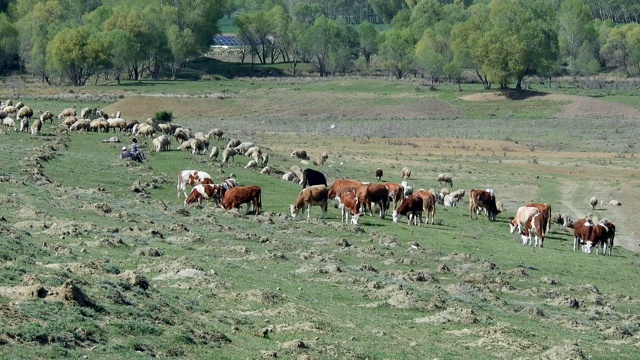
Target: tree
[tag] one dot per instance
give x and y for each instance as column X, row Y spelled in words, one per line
column 575, row 27
column 8, row 42
column 182, row 44
column 368, row 36
column 425, row 15
column 397, row 51
column 122, row 46
column 386, row 9
column 77, row 54
column 318, row 41
column 254, row 29
column 465, row 39
column 429, row 56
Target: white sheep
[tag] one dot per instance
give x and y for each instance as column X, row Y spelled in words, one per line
column 449, row 200
column 117, row 123
column 25, row 112
column 265, row 159
column 86, row 113
column 295, row 169
column 183, row 134
column 445, row 179
column 24, row 124
column 266, row 170
column 406, row 173
column 593, row 202
column 99, row 125
column 217, row 133
column 9, row 124
column 10, row 109
column 19, row 105
column 253, row 150
column 244, row 146
column 36, row 127
column 113, row 139
column 161, row 143
column 615, row 203
column 80, row 125
column 227, row 154
column 146, row 130
column 251, row 165
column 458, row 195
column 290, row 176
column 233, row 143
column 47, row 115
column 67, row 112
column 319, row 161
column 214, row 152
column 300, row 154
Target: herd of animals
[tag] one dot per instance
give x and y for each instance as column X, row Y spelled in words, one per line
column 354, row 198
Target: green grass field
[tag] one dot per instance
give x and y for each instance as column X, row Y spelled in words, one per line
column 154, row 278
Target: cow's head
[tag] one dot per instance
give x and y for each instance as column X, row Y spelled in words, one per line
column 354, row 219
column 513, row 225
column 395, row 216
column 294, row 211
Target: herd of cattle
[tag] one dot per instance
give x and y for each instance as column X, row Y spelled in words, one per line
column 355, row 198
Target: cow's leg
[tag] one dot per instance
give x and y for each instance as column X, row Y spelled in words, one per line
column 308, row 211
column 323, row 206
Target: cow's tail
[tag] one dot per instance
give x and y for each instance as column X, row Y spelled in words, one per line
column 259, row 202
column 179, row 182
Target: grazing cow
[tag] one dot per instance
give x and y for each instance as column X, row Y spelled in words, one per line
column 190, row 177
column 429, row 200
column 349, row 205
column 313, row 195
column 602, row 235
column 226, row 185
column 396, row 194
column 581, row 232
column 203, row 191
column 373, row 193
column 239, row 195
column 523, row 213
column 312, row 177
column 545, row 209
column 339, row 187
column 411, row 207
column 534, row 226
column 482, row 199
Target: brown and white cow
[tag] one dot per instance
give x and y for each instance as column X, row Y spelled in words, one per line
column 545, row 209
column 482, row 199
column 349, row 205
column 411, row 207
column 239, row 195
column 523, row 213
column 396, row 194
column 602, row 236
column 203, row 191
column 313, row 195
column 366, row 194
column 429, row 200
column 341, row 186
column 581, row 232
column 190, row 177
column 534, row 227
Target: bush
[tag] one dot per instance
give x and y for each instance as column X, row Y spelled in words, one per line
column 163, row 117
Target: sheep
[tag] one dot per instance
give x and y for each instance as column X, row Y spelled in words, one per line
column 168, row 129
column 228, row 153
column 36, row 127
column 449, row 200
column 290, row 176
column 25, row 112
column 300, row 154
column 324, row 155
column 128, row 125
column 146, row 130
column 8, row 102
column 68, row 121
column 10, row 110
column 406, row 173
column 295, row 169
column 244, row 146
column 99, row 125
column 117, row 123
column 217, row 133
column 3, row 114
column 379, row 174
column 445, row 191
column 445, row 179
column 615, row 203
column 112, row 139
column 86, row 113
column 67, row 112
column 251, row 165
column 9, row 123
column 19, row 105
column 161, row 143
column 593, row 202
column 197, row 145
column 183, row 134
column 185, row 145
column 265, row 159
column 319, row 161
column 214, row 153
column 233, row 143
column 116, row 115
column 81, row 124
column 200, row 135
column 458, row 195
column 252, row 150
column 47, row 115
column 24, row 124
column 266, row 170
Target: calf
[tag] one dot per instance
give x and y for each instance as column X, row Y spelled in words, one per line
column 340, row 187
column 411, row 207
column 581, row 232
column 523, row 213
column 534, row 226
column 312, row 177
column 366, row 194
column 428, row 205
column 396, row 194
column 239, row 195
column 314, row 195
column 203, row 191
column 349, row 205
column 481, row 199
column 602, row 235
column 545, row 209
column 190, row 177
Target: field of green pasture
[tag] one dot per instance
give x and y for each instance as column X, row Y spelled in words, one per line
column 151, row 277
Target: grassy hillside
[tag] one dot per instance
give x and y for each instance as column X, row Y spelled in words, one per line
column 100, row 258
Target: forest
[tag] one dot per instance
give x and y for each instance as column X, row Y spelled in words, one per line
column 499, row 42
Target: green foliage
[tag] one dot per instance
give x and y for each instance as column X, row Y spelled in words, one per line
column 397, row 52
column 163, row 117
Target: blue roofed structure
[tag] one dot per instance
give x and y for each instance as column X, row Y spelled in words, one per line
column 227, row 41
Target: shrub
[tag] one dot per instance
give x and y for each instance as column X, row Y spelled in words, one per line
column 163, row 116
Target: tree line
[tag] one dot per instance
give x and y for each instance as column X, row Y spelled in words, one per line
column 499, row 41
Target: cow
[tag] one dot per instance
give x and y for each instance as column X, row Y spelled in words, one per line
column 203, row 191
column 602, row 235
column 545, row 209
column 581, row 232
column 190, row 177
column 373, row 193
column 341, row 186
column 534, row 226
column 428, row 205
column 482, row 199
column 523, row 213
column 313, row 195
column 239, row 195
column 412, row 208
column 312, row 177
column 396, row 194
column 349, row 205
